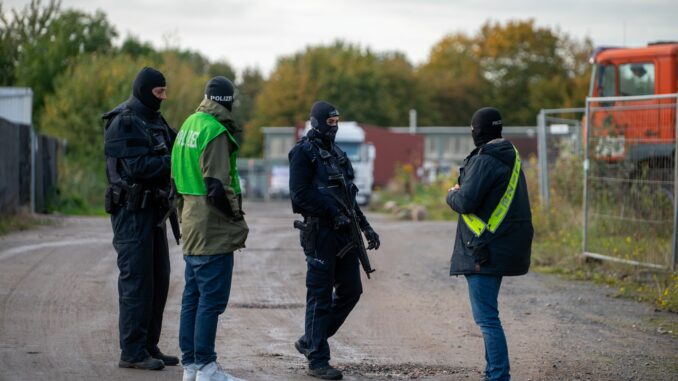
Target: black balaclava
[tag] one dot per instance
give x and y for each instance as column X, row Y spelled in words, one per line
column 148, row 79
column 486, row 125
column 320, row 112
column 220, row 89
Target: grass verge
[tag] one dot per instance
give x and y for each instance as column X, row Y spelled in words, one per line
column 21, row 221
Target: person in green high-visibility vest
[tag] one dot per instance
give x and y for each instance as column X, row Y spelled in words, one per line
column 494, row 230
column 212, row 221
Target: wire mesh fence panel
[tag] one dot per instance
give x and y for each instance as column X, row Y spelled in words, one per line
column 561, row 154
column 630, row 177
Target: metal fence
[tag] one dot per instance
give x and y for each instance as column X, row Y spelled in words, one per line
column 28, row 168
column 559, row 152
column 630, row 199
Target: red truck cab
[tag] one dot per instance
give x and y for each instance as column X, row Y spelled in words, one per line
column 635, row 71
column 640, row 132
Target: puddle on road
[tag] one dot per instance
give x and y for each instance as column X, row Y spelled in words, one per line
column 402, row 371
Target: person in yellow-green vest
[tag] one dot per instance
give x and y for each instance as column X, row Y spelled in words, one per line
column 212, row 221
column 494, row 231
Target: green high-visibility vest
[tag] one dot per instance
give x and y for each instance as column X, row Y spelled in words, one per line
column 479, row 226
column 197, row 131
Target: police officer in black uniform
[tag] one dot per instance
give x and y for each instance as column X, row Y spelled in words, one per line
column 333, row 283
column 138, row 142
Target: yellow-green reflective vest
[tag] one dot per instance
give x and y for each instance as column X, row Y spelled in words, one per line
column 479, row 226
column 196, row 132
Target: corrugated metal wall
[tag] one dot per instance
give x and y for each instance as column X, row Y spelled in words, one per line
column 15, row 168
column 393, row 149
column 16, row 104
column 10, row 179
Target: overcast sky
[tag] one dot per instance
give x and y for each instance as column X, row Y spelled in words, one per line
column 254, row 33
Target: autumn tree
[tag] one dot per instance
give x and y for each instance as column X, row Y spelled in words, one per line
column 185, row 87
column 527, row 67
column 134, row 47
column 517, row 67
column 249, row 86
column 46, row 40
column 19, row 27
column 222, row 68
column 368, row 87
column 454, row 80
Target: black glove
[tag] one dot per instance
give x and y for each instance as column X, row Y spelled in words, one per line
column 238, row 216
column 161, row 149
column 341, row 222
column 372, row 238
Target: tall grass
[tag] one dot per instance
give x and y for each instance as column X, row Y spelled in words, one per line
column 81, row 187
column 21, row 221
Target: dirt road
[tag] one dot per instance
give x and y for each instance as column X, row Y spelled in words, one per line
column 58, row 312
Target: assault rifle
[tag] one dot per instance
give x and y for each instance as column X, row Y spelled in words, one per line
column 170, row 202
column 356, row 234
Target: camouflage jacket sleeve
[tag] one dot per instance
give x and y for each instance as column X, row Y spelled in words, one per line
column 216, row 171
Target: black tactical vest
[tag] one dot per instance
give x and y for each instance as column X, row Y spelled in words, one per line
column 329, row 163
column 132, row 131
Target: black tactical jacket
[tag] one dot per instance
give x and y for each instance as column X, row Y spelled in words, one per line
column 137, row 144
column 483, row 178
column 311, row 191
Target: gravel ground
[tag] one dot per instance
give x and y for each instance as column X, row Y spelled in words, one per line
column 58, row 312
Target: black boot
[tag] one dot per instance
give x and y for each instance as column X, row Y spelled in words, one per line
column 300, row 345
column 326, row 373
column 149, row 363
column 168, row 360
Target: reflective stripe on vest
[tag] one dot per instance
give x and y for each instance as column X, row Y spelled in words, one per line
column 477, row 225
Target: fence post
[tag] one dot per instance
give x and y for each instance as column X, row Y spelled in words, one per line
column 587, row 143
column 543, row 160
column 33, row 158
column 674, row 260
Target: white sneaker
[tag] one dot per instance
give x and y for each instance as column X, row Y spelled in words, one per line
column 190, row 372
column 213, row 372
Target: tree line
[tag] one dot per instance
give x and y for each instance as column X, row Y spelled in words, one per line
column 77, row 71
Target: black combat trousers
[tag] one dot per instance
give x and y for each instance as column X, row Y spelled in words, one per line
column 143, row 284
column 333, row 288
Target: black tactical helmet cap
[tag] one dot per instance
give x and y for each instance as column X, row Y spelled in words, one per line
column 221, row 90
column 486, row 125
column 320, row 112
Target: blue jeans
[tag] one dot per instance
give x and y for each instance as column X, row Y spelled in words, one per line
column 483, row 291
column 208, row 286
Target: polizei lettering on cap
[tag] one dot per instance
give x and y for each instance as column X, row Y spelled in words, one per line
column 221, row 98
